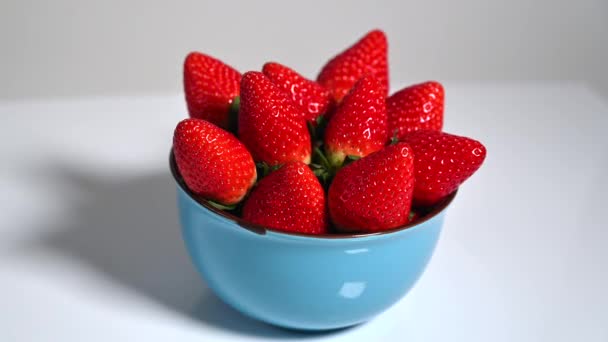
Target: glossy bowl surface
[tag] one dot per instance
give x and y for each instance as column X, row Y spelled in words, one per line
column 303, row 282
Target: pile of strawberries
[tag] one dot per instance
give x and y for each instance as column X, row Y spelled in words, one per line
column 332, row 155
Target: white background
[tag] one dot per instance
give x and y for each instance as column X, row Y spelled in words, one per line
column 72, row 47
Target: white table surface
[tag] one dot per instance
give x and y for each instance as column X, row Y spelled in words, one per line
column 90, row 248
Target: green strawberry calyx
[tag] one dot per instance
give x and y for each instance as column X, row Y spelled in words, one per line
column 233, row 114
column 264, row 169
column 316, row 128
column 221, row 206
column 394, row 138
column 325, row 168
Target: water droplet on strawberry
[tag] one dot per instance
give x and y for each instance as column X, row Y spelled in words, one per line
column 367, row 133
column 424, row 119
column 209, row 139
column 427, row 107
column 313, row 107
column 294, row 89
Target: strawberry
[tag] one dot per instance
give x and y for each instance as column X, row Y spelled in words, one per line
column 213, row 163
column 270, row 124
column 416, row 107
column 210, row 87
column 311, row 97
column 358, row 126
column 367, row 56
column 374, row 193
column 443, row 161
column 289, row 199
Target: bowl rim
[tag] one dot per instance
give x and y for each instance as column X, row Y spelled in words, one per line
column 261, row 230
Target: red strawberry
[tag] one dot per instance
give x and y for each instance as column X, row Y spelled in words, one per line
column 212, row 162
column 358, row 126
column 289, row 199
column 374, row 193
column 311, row 97
column 443, row 162
column 367, row 56
column 416, row 107
column 270, row 124
column 210, row 87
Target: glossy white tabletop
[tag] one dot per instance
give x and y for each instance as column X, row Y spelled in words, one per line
column 90, row 248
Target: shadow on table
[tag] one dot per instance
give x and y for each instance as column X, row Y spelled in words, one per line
column 126, row 229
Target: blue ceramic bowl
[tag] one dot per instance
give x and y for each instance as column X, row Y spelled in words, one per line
column 299, row 281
